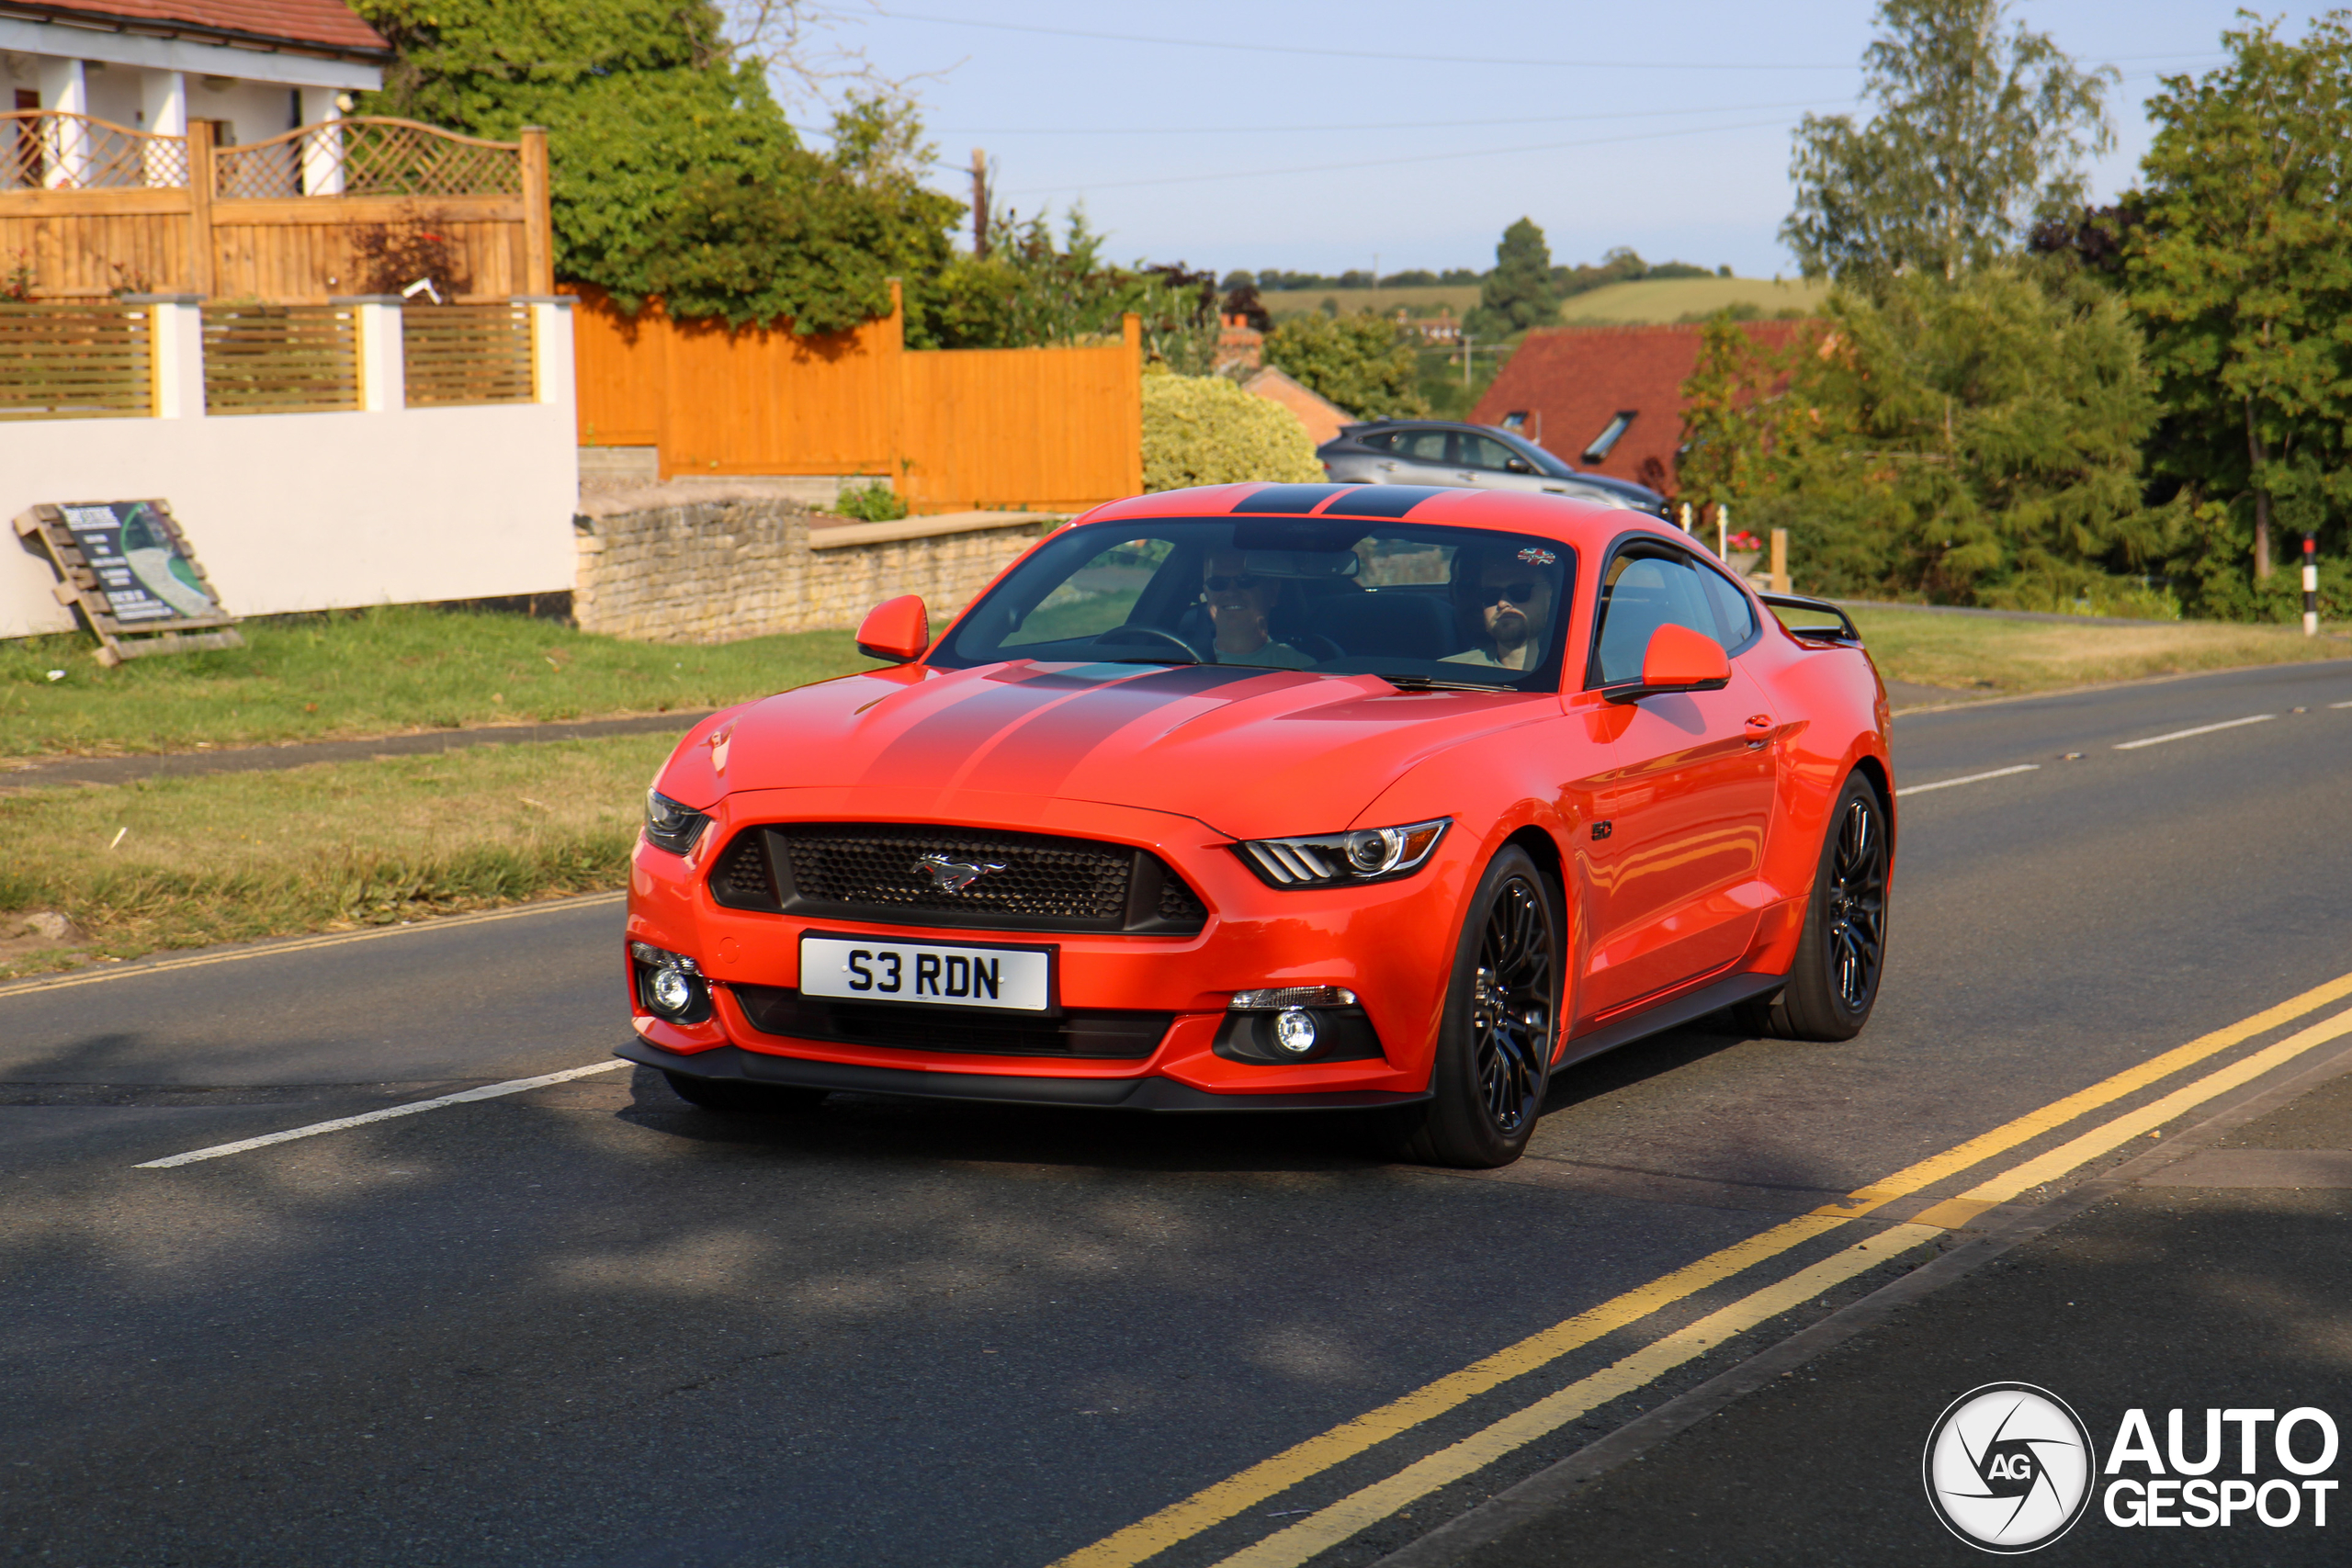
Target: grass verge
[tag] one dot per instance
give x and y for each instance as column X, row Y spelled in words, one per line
column 189, row 862
column 379, row 672
column 1984, row 654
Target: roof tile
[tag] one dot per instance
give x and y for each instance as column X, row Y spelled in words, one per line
column 1573, row 381
column 328, row 24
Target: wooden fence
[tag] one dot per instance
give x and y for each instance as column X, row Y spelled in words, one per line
column 1052, row 429
column 75, row 362
column 334, row 208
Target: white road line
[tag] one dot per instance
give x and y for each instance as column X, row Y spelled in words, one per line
column 1972, row 778
column 2200, row 729
column 488, row 1091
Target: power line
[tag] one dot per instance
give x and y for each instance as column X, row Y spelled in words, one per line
column 1391, row 162
column 1370, row 125
column 1415, row 59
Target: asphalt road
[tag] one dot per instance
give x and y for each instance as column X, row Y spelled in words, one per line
column 588, row 1324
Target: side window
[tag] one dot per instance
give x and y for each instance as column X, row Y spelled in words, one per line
column 1642, row 590
column 1424, row 445
column 1485, row 452
column 1385, row 442
column 1734, row 619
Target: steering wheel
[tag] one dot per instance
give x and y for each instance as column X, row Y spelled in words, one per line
column 1151, row 633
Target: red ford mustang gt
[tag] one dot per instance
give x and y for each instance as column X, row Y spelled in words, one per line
column 1278, row 796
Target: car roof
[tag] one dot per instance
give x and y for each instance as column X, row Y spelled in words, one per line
column 1584, row 522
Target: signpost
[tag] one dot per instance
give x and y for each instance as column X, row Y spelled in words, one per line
column 127, row 568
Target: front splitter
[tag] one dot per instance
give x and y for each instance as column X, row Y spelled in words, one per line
column 732, row 1062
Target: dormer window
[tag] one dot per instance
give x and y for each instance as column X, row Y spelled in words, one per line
column 1599, row 451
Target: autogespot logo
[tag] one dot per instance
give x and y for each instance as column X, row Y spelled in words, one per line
column 2010, row 1467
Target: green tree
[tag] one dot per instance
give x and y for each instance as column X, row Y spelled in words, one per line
column 1975, row 441
column 1518, row 294
column 1976, row 131
column 2239, row 269
column 1359, row 362
column 672, row 170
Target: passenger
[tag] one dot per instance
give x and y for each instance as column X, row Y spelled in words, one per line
column 1509, row 601
column 1239, row 605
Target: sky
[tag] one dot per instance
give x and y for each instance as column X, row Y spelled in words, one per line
column 1321, row 137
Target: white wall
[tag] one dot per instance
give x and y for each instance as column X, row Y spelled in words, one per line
column 322, row 511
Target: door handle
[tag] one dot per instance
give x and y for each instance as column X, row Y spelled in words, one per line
column 1759, row 729
column 1389, row 468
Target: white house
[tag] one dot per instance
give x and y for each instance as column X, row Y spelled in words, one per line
column 253, row 68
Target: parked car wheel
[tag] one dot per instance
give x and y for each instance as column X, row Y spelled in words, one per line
column 739, row 1099
column 1834, row 982
column 1501, row 1020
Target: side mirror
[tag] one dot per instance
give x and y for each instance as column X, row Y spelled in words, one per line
column 897, row 630
column 1519, row 465
column 1678, row 660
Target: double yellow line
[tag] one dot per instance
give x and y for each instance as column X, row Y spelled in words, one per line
column 1329, row 1526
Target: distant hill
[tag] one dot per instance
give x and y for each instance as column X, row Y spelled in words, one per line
column 1626, row 304
column 1672, row 299
column 1423, row 300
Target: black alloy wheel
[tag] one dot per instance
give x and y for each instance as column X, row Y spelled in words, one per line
column 1501, row 1023
column 1840, row 957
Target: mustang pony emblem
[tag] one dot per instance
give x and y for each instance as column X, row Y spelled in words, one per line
column 955, row 875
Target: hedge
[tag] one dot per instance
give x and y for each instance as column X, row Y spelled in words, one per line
column 1205, row 430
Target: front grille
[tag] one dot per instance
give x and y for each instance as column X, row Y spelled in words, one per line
column 893, row 874
column 1022, row 875
column 1120, row 1036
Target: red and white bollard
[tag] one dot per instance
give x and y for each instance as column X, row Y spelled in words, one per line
column 2310, row 586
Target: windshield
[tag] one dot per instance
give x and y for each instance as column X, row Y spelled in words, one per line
column 1544, row 461
column 1418, row 602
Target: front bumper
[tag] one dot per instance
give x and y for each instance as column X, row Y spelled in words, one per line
column 1152, row 1093
column 1391, row 943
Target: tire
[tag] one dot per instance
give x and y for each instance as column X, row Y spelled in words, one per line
column 737, row 1098
column 1834, row 982
column 1494, row 1061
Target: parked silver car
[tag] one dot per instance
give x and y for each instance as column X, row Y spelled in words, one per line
column 1438, row 452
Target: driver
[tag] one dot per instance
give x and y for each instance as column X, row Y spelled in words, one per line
column 1511, row 599
column 1239, row 605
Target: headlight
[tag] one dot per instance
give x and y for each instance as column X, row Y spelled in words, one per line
column 670, row 826
column 1329, row 860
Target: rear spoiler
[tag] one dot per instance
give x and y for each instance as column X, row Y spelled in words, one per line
column 1845, row 631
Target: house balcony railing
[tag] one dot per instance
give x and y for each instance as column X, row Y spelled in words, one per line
column 89, row 209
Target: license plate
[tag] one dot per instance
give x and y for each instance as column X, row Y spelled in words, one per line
column 937, row 974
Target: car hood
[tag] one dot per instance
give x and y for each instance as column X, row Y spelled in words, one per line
column 1247, row 752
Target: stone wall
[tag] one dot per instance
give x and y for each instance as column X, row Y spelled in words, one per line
column 715, row 571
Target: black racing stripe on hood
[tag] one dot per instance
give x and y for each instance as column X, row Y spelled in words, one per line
column 1049, row 747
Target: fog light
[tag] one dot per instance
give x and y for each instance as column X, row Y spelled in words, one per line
column 1295, row 1031
column 671, row 991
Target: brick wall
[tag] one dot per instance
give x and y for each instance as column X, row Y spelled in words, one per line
column 715, row 571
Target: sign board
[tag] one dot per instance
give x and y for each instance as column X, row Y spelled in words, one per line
column 128, row 567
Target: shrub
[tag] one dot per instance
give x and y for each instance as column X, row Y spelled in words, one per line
column 876, row 502
column 1205, row 430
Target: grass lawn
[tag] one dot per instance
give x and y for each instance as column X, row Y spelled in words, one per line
column 1980, row 654
column 379, row 672
column 1422, row 301
column 187, row 861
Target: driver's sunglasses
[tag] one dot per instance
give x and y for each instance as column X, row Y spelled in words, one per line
column 1221, row 584
column 1517, row 592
